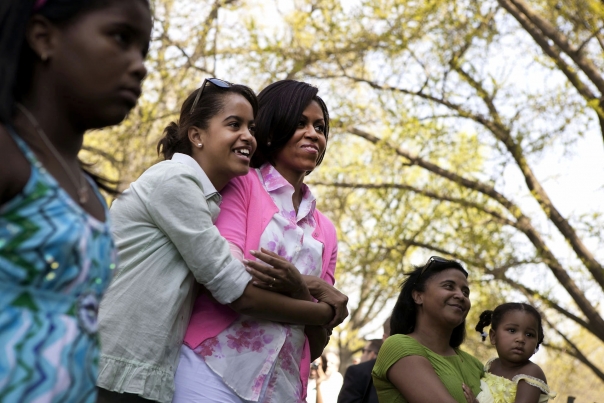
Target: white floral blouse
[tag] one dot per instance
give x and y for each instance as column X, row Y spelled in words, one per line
column 260, row 360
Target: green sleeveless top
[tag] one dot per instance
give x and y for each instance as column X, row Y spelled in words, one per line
column 452, row 370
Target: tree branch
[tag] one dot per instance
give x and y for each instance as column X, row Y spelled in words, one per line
column 496, row 215
column 534, row 293
column 561, row 41
column 576, row 352
column 593, row 101
column 502, row 133
column 524, row 224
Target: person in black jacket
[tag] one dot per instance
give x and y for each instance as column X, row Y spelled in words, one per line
column 358, row 385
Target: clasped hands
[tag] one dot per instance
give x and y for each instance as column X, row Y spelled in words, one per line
column 279, row 275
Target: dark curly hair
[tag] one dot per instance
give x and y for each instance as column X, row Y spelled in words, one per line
column 493, row 318
column 404, row 313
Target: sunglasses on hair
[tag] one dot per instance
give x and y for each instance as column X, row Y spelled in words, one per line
column 216, row 81
column 433, row 259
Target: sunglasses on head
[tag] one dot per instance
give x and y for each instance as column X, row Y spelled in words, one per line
column 433, row 259
column 216, row 81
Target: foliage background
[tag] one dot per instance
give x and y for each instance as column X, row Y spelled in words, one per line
column 453, row 125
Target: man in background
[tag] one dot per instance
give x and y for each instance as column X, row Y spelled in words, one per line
column 358, row 385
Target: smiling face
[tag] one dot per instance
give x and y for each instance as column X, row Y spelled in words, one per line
column 96, row 61
column 445, row 298
column 301, row 153
column 516, row 336
column 228, row 142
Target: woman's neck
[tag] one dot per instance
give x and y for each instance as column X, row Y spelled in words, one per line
column 296, row 179
column 219, row 178
column 54, row 122
column 433, row 336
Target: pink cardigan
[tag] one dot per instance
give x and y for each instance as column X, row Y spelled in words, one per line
column 245, row 212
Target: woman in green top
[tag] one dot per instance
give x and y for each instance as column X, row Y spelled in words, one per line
column 421, row 361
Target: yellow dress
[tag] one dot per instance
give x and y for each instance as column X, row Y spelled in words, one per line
column 497, row 389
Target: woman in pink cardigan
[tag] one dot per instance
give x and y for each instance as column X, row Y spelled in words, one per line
column 269, row 214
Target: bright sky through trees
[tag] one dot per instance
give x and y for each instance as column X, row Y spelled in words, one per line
column 470, row 129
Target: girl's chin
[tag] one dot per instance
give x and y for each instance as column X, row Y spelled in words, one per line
column 240, row 171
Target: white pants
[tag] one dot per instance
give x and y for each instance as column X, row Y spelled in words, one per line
column 195, row 382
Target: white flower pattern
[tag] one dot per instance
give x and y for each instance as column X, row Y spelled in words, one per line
column 260, row 360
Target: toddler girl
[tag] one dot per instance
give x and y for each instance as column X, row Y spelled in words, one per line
column 516, row 332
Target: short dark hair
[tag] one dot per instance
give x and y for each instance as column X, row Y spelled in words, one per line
column 281, row 105
column 375, row 345
column 404, row 313
column 176, row 134
column 493, row 318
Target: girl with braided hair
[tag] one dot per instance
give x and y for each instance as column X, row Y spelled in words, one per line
column 516, row 332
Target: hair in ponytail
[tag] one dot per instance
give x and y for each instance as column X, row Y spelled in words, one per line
column 174, row 141
column 494, row 318
column 483, row 321
column 176, row 134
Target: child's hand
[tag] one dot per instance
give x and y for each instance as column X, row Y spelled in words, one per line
column 469, row 394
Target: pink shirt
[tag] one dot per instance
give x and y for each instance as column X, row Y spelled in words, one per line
column 247, row 209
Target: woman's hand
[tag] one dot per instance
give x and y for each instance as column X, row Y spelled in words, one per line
column 469, row 394
column 325, row 292
column 320, row 374
column 278, row 275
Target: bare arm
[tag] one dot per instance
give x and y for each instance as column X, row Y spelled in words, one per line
column 320, row 378
column 280, row 308
column 325, row 292
column 319, row 395
column 419, row 385
column 318, row 337
column 527, row 393
column 281, row 276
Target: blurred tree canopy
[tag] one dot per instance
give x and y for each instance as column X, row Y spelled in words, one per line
column 441, row 110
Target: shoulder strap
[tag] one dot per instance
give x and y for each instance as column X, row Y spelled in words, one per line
column 487, row 366
column 536, row 382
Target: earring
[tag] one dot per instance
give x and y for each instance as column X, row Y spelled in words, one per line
column 268, row 144
column 199, row 145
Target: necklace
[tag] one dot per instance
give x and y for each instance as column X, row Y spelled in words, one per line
column 81, row 187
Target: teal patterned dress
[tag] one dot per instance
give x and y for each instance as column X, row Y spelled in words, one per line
column 55, row 263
